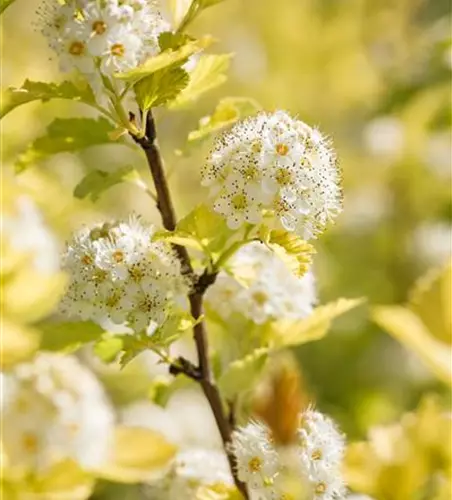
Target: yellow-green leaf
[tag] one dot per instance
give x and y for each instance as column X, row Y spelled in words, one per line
column 227, row 112
column 96, row 182
column 139, row 455
column 4, row 4
column 41, row 91
column 165, row 59
column 18, row 343
column 68, row 337
column 242, row 374
column 201, row 229
column 209, row 72
column 160, row 87
column 431, row 300
column 178, row 9
column 294, row 251
column 218, row 491
column 64, row 481
column 66, row 135
column 409, row 329
column 284, row 333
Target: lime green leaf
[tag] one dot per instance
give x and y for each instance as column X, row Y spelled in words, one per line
column 296, row 332
column 94, row 184
column 431, row 300
column 66, row 136
column 227, row 112
column 242, row 374
column 64, row 481
column 108, row 348
column 160, row 87
column 294, row 251
column 160, row 339
column 409, row 329
column 139, row 455
column 165, row 59
column 171, row 40
column 219, row 491
column 68, row 337
column 40, row 91
column 208, row 73
column 209, row 3
column 19, row 343
column 4, row 4
column 201, row 229
column 178, row 9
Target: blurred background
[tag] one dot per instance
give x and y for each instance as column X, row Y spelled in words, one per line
column 372, row 74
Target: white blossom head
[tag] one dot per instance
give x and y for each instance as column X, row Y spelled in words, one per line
column 118, row 273
column 105, row 35
column 192, row 469
column 55, row 409
column 276, row 170
column 25, row 232
column 269, row 290
column 321, row 452
column 256, row 459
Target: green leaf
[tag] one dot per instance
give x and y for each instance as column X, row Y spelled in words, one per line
column 4, row 4
column 139, row 455
column 431, row 300
column 40, row 91
column 108, row 348
column 66, row 135
column 408, row 328
column 177, row 323
column 160, row 87
column 64, row 480
column 94, row 184
column 170, row 40
column 227, row 112
column 294, row 251
column 165, row 59
column 242, row 374
column 201, row 229
column 68, row 337
column 208, row 73
column 285, row 333
column 208, row 3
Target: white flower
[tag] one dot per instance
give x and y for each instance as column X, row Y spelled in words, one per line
column 26, row 232
column 118, row 273
column 265, row 289
column 203, row 466
column 275, row 169
column 113, row 35
column 321, row 452
column 55, row 409
column 257, row 460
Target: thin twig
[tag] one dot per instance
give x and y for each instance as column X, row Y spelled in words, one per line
column 202, row 373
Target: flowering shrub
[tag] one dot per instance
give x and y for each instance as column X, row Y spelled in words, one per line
column 205, row 303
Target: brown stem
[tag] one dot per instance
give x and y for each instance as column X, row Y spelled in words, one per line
column 203, row 373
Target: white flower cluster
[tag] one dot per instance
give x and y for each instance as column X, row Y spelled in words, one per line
column 321, row 452
column 256, row 458
column 118, row 273
column 266, row 291
column 53, row 409
column 317, row 464
column 105, row 35
column 25, row 231
column 274, row 169
column 193, row 469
